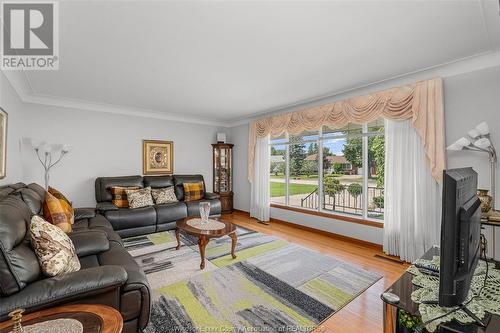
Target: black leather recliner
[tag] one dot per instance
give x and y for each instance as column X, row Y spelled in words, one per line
column 139, row 221
column 108, row 275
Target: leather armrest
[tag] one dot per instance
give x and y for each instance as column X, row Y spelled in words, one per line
column 65, row 288
column 211, row 196
column 89, row 242
column 84, row 213
column 105, row 206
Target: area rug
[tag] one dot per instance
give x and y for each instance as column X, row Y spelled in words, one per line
column 272, row 285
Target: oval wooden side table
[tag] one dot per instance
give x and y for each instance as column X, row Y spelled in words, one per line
column 95, row 318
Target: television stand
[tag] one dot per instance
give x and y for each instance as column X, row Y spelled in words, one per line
column 404, row 287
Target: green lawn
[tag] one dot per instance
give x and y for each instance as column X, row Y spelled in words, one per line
column 294, row 177
column 278, row 189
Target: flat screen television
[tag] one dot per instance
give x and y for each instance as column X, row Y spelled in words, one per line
column 460, row 235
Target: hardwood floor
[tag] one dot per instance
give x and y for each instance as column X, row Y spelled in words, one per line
column 363, row 314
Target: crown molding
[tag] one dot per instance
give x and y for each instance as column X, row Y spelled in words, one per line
column 472, row 63
column 21, row 85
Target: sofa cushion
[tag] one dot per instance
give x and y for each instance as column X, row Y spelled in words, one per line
column 54, row 249
column 170, row 212
column 120, row 196
column 89, row 242
column 193, row 207
column 30, row 198
column 125, row 218
column 193, row 191
column 164, row 195
column 158, row 181
column 98, row 222
column 139, row 198
column 18, row 262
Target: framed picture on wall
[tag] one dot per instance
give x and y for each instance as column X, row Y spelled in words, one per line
column 3, row 143
column 158, row 157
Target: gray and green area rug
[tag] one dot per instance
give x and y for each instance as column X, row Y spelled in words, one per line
column 272, row 285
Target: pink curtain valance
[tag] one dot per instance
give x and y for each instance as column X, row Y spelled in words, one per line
column 422, row 102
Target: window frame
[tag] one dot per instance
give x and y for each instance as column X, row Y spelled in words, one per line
column 364, row 218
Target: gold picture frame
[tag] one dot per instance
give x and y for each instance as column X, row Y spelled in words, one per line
column 158, row 157
column 3, row 143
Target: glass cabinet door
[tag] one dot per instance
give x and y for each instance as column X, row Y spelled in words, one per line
column 222, row 169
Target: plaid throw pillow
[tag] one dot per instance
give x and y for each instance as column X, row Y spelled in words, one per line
column 193, row 191
column 55, row 212
column 120, row 195
column 65, row 203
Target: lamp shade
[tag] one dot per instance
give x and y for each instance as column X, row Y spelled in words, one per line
column 483, row 128
column 473, row 133
column 454, row 146
column 66, row 148
column 482, row 143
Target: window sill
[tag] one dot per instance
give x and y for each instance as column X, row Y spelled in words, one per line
column 329, row 215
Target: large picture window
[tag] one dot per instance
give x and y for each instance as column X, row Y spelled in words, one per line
column 350, row 179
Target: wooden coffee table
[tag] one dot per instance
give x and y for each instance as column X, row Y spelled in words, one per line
column 205, row 235
column 95, row 318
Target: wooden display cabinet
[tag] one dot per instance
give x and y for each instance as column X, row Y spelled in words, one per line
column 223, row 174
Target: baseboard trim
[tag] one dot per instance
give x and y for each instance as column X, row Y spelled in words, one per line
column 319, row 231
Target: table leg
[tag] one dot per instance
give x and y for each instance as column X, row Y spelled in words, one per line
column 390, row 318
column 178, row 236
column 202, row 243
column 234, row 241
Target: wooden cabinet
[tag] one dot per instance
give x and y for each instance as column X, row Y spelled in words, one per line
column 223, row 174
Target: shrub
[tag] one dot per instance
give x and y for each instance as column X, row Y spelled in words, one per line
column 379, row 201
column 355, row 189
column 331, row 185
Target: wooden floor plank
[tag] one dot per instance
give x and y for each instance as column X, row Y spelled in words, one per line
column 364, row 313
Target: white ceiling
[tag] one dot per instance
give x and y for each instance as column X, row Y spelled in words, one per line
column 226, row 61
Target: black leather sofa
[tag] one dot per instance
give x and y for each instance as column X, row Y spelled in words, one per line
column 139, row 221
column 108, row 275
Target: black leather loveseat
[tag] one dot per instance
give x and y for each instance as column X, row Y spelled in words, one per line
column 108, row 275
column 139, row 221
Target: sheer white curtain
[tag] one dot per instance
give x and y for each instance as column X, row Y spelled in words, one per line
column 412, row 216
column 260, row 200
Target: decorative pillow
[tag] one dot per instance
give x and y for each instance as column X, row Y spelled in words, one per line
column 58, row 195
column 66, row 204
column 164, row 195
column 53, row 248
column 120, row 195
column 139, row 198
column 57, row 214
column 193, row 191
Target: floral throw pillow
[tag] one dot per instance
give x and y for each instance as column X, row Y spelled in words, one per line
column 139, row 198
column 164, row 195
column 54, row 249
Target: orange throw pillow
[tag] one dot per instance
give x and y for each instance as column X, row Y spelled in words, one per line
column 119, row 195
column 68, row 208
column 193, row 191
column 56, row 212
column 58, row 195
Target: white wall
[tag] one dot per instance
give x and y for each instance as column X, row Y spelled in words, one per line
column 10, row 102
column 107, row 144
column 469, row 99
